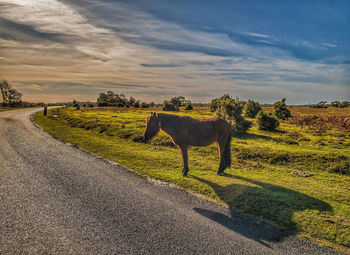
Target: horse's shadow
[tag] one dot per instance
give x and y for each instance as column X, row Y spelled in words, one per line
column 274, row 203
column 250, row 136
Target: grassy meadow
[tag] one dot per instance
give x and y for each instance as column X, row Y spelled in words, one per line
column 296, row 178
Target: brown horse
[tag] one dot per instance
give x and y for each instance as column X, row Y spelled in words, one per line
column 186, row 131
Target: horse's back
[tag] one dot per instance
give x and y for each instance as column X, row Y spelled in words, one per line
column 202, row 132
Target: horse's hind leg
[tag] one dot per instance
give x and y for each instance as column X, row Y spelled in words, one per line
column 221, row 143
column 184, row 152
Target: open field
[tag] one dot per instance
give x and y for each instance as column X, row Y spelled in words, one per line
column 296, row 178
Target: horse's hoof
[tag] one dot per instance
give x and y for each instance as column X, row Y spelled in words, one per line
column 219, row 173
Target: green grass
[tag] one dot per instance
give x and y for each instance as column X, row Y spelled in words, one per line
column 265, row 179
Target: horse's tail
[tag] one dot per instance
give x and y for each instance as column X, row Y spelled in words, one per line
column 227, row 152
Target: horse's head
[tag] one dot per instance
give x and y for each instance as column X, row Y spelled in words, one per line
column 152, row 126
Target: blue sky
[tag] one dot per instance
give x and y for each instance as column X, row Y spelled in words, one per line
column 263, row 50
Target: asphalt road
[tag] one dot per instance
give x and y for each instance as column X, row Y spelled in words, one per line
column 57, row 199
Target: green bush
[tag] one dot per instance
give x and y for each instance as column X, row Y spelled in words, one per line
column 340, row 104
column 322, row 104
column 188, row 107
column 231, row 110
column 266, row 122
column 251, row 109
column 215, row 103
column 281, row 111
column 137, row 104
column 144, row 105
column 169, row 106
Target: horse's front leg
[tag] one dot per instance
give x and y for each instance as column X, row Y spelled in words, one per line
column 184, row 151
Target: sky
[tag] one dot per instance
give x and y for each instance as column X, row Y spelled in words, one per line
column 55, row 51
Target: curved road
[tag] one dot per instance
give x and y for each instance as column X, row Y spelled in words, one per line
column 56, row 199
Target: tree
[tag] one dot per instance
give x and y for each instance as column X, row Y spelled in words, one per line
column 144, row 105
column 281, row 111
column 111, row 99
column 10, row 96
column 131, row 101
column 178, row 101
column 4, row 87
column 169, row 106
column 137, row 104
column 75, row 103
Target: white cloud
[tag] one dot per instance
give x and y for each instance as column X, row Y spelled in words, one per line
column 256, row 34
column 329, row 45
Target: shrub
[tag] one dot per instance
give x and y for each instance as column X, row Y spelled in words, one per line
column 344, row 104
column 231, row 110
column 144, row 105
column 251, row 109
column 76, row 104
column 241, row 125
column 281, row 111
column 335, row 104
column 215, row 103
column 266, row 122
column 168, row 106
column 188, row 107
column 137, row 104
column 321, row 104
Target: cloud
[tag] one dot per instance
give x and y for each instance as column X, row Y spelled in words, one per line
column 256, row 35
column 86, row 47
